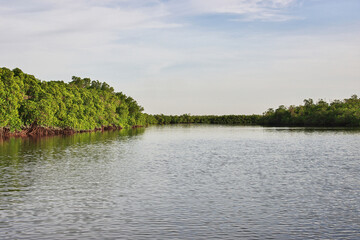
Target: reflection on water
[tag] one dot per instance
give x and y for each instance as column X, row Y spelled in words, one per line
column 316, row 130
column 183, row 182
column 19, row 156
column 13, row 146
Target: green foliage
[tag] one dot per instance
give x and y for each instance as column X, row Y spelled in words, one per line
column 207, row 119
column 338, row 113
column 345, row 113
column 81, row 104
column 11, row 94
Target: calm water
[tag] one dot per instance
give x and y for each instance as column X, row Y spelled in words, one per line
column 183, row 182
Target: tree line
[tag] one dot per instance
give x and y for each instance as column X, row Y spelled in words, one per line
column 85, row 104
column 207, row 119
column 81, row 104
column 338, row 113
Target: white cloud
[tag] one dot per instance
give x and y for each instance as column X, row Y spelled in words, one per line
column 249, row 10
column 150, row 50
column 44, row 15
column 84, row 23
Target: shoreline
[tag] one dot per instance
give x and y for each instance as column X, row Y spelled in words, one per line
column 36, row 131
column 40, row 131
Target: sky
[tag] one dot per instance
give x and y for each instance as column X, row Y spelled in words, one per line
column 191, row 56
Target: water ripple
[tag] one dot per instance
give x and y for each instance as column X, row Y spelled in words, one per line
column 183, row 182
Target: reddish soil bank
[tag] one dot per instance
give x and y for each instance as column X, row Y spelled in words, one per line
column 39, row 131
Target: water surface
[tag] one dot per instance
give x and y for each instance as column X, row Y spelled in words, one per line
column 183, row 182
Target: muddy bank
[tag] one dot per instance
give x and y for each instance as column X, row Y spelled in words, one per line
column 138, row 126
column 40, row 131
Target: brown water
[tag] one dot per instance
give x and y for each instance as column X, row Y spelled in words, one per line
column 183, row 182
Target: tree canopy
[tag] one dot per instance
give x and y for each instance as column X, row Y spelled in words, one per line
column 81, row 104
column 85, row 104
column 338, row 113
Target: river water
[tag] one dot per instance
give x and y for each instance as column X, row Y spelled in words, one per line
column 183, row 182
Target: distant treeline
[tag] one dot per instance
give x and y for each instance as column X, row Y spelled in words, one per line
column 83, row 104
column 338, row 113
column 207, row 119
column 345, row 113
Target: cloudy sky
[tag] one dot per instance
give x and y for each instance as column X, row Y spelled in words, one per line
column 191, row 56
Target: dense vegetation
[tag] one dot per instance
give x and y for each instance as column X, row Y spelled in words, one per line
column 208, row 119
column 81, row 104
column 345, row 113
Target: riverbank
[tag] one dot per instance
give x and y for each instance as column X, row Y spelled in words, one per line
column 40, row 131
